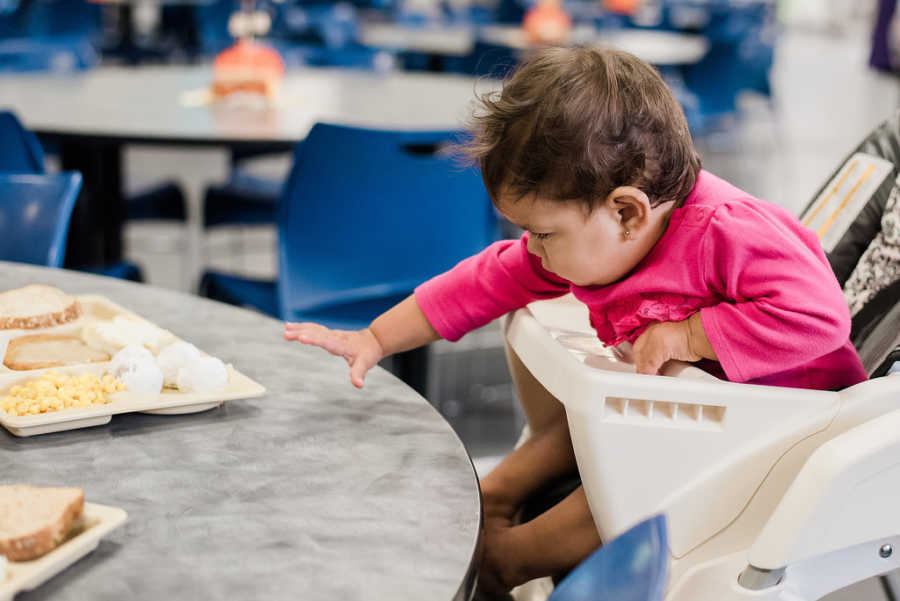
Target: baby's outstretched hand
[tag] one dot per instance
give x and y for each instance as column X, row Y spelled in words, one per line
column 661, row 342
column 359, row 348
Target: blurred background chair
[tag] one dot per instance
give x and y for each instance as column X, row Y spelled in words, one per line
column 631, row 567
column 358, row 206
column 305, row 35
column 21, row 153
column 35, row 210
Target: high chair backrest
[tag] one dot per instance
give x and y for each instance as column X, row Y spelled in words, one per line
column 366, row 215
column 856, row 214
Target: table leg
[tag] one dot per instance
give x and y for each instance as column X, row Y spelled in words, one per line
column 95, row 232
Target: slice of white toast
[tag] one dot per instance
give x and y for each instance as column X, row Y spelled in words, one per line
column 37, row 351
column 36, row 306
column 34, row 520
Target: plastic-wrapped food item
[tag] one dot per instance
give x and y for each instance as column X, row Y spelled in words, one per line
column 136, row 367
column 110, row 336
column 173, row 357
column 202, row 374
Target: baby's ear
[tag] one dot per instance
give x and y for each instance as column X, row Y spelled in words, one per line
column 631, row 206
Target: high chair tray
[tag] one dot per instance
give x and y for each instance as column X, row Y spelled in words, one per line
column 168, row 401
column 95, row 523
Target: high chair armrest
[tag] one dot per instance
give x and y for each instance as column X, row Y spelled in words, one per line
column 685, row 444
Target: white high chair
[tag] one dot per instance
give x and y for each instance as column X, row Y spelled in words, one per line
column 769, row 493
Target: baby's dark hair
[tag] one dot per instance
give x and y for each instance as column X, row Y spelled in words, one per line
column 576, row 123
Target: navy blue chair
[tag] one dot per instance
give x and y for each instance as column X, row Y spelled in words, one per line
column 631, row 567
column 244, row 199
column 18, row 55
column 35, row 210
column 739, row 59
column 365, row 216
column 20, row 151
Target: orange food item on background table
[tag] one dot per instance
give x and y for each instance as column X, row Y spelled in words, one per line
column 248, row 67
column 622, row 7
column 547, row 23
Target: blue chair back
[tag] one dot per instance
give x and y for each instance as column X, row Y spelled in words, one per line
column 63, row 55
column 57, row 19
column 367, row 215
column 34, row 216
column 20, row 150
column 631, row 567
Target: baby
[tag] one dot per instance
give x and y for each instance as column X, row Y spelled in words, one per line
column 589, row 153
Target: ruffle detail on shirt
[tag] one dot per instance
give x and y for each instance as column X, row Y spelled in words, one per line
column 625, row 320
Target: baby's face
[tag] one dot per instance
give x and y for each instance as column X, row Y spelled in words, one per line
column 585, row 248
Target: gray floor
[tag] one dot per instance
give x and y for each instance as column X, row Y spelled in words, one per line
column 781, row 149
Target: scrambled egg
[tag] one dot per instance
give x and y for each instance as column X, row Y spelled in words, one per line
column 54, row 391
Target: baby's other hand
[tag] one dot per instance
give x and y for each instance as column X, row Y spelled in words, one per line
column 359, row 348
column 661, row 342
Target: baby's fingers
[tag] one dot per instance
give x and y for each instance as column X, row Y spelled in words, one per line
column 648, row 362
column 333, row 341
column 358, row 370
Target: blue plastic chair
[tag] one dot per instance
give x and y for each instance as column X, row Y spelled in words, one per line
column 20, row 150
column 365, row 216
column 631, row 567
column 18, row 55
column 35, row 210
column 21, row 153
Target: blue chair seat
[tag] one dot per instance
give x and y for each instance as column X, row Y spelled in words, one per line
column 631, row 567
column 258, row 294
column 243, row 199
column 163, row 201
column 122, row 270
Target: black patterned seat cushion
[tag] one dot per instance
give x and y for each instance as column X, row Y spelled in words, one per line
column 866, row 257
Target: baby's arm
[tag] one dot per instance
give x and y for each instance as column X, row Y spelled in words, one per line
column 479, row 289
column 783, row 306
column 400, row 328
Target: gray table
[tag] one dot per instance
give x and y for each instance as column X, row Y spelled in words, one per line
column 314, row 491
column 153, row 104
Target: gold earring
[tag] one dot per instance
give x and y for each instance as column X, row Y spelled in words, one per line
column 627, row 233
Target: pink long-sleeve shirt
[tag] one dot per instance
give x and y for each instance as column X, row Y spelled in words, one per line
column 768, row 300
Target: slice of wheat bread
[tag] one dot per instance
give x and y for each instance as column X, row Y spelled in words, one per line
column 36, row 306
column 34, row 520
column 38, row 351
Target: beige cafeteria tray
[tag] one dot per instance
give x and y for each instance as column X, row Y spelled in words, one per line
column 99, row 308
column 95, row 523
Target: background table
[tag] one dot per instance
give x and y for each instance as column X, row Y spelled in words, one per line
column 314, row 491
column 660, row 48
column 92, row 114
